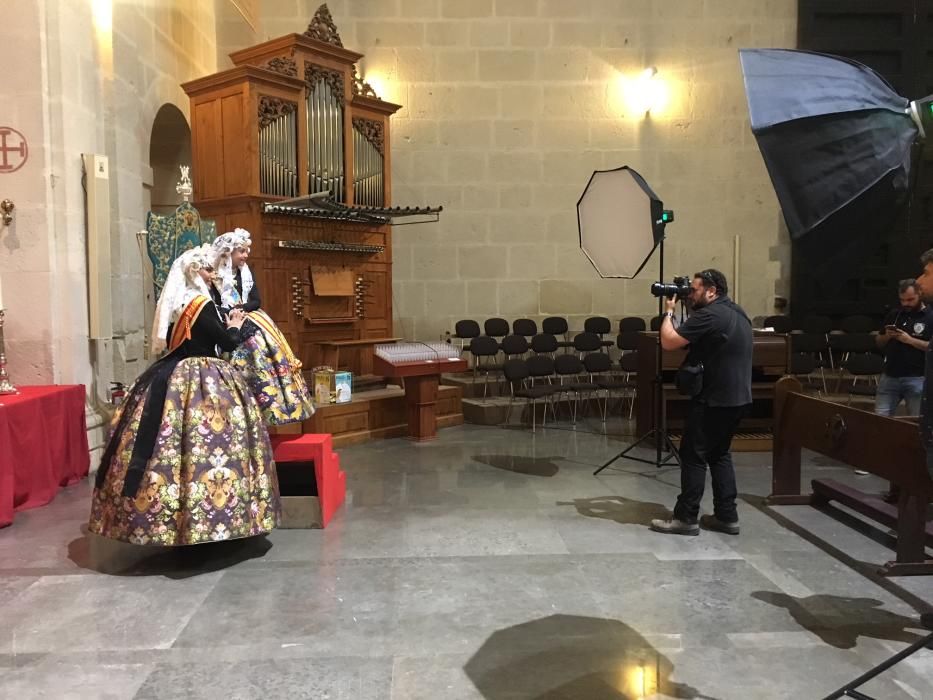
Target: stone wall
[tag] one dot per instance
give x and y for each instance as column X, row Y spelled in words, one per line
column 509, row 105
column 80, row 81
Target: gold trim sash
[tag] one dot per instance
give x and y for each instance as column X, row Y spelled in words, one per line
column 182, row 330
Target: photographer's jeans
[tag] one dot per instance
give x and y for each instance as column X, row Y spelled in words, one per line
column 893, row 390
column 707, row 441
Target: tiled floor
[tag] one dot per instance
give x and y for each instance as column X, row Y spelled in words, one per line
column 488, row 564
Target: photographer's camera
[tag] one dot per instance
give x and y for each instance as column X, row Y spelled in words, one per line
column 680, row 288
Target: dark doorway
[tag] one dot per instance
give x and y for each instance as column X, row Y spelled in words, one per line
column 855, row 270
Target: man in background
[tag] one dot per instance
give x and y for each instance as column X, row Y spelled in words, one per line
column 904, row 338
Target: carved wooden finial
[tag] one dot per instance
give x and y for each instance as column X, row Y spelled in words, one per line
column 322, row 27
column 361, row 87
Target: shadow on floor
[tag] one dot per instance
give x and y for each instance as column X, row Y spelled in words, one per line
column 840, row 621
column 121, row 559
column 868, row 570
column 529, row 466
column 572, row 657
column 625, row 511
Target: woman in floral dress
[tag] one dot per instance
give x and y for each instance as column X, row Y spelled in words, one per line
column 271, row 369
column 189, row 459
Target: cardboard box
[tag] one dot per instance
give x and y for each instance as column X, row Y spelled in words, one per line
column 301, row 504
column 324, row 386
column 301, row 513
column 332, row 387
column 343, row 387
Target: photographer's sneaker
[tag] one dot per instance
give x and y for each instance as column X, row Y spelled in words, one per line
column 711, row 522
column 675, row 527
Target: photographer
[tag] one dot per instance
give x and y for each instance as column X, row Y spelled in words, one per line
column 717, row 374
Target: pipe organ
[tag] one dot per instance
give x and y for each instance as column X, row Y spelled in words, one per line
column 278, row 147
column 325, row 131
column 292, row 145
column 368, row 172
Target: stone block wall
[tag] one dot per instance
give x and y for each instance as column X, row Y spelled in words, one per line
column 509, row 105
column 79, row 81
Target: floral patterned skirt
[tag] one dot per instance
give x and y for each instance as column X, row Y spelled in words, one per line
column 273, row 373
column 211, row 475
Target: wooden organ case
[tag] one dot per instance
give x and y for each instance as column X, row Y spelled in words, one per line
column 291, row 119
column 293, row 146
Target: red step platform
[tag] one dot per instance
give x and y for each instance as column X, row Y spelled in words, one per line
column 331, row 481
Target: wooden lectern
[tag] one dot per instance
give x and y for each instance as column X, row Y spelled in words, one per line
column 421, row 379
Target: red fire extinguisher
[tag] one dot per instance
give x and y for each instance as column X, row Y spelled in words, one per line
column 117, row 393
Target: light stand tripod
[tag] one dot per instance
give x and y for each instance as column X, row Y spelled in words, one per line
column 659, row 431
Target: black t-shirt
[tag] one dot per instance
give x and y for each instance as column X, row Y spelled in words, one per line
column 902, row 360
column 720, row 336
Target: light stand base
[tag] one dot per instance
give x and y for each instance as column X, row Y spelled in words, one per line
column 659, row 436
column 659, row 431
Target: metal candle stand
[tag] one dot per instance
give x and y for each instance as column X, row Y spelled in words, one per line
column 6, row 386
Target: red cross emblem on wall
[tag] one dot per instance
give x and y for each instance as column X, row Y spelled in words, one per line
column 14, row 150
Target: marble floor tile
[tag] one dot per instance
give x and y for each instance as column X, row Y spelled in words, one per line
column 490, row 564
column 62, row 613
column 54, row 677
column 336, row 678
column 449, row 605
column 348, row 605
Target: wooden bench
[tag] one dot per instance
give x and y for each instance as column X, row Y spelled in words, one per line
column 330, row 352
column 887, row 447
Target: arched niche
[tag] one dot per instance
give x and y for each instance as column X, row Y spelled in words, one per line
column 169, row 147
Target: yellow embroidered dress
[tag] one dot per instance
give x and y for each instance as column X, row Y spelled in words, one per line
column 272, row 370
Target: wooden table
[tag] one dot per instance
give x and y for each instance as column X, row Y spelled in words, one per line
column 330, row 352
column 421, row 380
column 43, row 446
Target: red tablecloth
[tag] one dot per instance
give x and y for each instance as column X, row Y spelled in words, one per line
column 43, row 445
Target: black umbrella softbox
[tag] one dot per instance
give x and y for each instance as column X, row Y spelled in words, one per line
column 835, row 137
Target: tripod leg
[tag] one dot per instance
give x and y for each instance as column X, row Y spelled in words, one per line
column 672, row 451
column 628, row 449
column 661, row 438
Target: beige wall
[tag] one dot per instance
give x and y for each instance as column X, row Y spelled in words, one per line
column 73, row 86
column 509, row 105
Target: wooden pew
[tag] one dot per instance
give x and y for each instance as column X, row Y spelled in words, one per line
column 887, row 447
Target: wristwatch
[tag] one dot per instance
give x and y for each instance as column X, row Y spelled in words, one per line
column 669, row 314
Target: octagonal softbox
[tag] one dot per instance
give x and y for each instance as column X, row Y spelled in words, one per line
column 619, row 218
